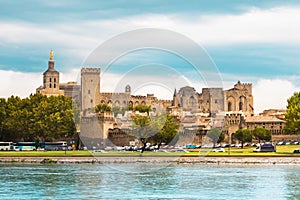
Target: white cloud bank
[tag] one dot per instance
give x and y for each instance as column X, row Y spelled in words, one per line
column 275, row 25
column 272, row 94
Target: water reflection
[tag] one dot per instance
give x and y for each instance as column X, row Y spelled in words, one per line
column 174, row 181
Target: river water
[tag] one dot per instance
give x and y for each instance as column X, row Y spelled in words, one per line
column 138, row 181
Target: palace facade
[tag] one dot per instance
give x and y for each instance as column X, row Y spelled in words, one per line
column 206, row 110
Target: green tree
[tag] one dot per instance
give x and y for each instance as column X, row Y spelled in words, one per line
column 168, row 131
column 142, row 108
column 103, row 108
column 262, row 134
column 243, row 135
column 292, row 115
column 215, row 135
column 144, row 128
column 37, row 116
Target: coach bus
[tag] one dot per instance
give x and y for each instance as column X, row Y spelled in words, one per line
column 25, row 146
column 6, row 146
column 54, row 146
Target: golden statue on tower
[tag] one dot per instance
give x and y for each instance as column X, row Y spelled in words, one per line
column 51, row 54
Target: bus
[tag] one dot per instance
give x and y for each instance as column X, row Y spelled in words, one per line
column 54, row 146
column 6, row 146
column 25, row 146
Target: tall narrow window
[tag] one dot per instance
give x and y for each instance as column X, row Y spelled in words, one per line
column 50, row 85
column 91, row 100
column 54, row 80
column 229, row 106
column 240, row 106
column 54, row 85
column 50, row 79
column 89, row 91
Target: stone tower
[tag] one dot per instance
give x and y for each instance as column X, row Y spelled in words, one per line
column 50, row 80
column 90, row 88
column 240, row 99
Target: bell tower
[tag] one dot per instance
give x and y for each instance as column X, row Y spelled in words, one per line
column 50, row 80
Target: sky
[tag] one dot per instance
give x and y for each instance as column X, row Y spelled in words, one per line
column 252, row 41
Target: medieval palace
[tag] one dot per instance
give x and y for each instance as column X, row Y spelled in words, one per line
column 194, row 110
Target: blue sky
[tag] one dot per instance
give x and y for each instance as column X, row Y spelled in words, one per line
column 252, row 41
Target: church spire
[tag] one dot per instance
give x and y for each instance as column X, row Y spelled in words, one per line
column 175, row 99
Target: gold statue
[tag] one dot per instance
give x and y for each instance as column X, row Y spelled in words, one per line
column 51, row 54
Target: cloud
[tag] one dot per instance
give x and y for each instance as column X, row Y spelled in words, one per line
column 272, row 94
column 275, row 25
column 22, row 84
column 18, row 83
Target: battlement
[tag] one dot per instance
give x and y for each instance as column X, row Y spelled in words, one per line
column 243, row 84
column 138, row 97
column 165, row 101
column 113, row 93
column 90, row 71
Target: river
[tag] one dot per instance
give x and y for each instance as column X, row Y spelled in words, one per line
column 146, row 181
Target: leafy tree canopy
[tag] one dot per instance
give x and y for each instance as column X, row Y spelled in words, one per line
column 292, row 115
column 243, row 135
column 262, row 134
column 38, row 116
column 103, row 108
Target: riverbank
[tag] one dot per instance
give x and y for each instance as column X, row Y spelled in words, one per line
column 157, row 160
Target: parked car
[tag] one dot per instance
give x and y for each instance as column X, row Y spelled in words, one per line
column 266, row 147
column 281, row 143
column 296, row 151
column 225, row 145
column 218, row 150
column 296, row 143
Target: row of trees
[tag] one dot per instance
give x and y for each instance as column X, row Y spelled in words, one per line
column 37, row 118
column 245, row 135
column 121, row 110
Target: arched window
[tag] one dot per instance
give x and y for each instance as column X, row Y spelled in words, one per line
column 240, row 106
column 229, row 106
column 50, row 85
column 54, row 85
column 50, row 79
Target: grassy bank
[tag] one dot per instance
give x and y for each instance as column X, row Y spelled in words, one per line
column 286, row 150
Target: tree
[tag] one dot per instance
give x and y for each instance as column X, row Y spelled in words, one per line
column 143, row 128
column 37, row 117
column 262, row 134
column 292, row 115
column 243, row 135
column 142, row 108
column 102, row 108
column 215, row 135
column 168, row 131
